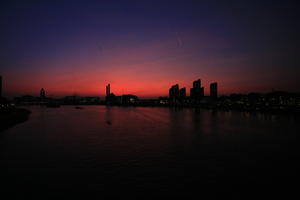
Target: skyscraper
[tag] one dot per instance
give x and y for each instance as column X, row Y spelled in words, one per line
column 107, row 90
column 197, row 84
column 197, row 92
column 201, row 93
column 214, row 90
column 174, row 93
column 192, row 93
column 182, row 93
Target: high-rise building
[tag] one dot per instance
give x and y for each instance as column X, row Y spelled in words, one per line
column 42, row 93
column 192, row 92
column 0, row 86
column 201, row 94
column 182, row 93
column 214, row 90
column 107, row 90
column 197, row 92
column 174, row 93
column 197, row 84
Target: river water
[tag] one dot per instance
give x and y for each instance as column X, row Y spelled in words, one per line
column 149, row 152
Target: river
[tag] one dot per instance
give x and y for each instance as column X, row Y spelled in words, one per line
column 149, row 152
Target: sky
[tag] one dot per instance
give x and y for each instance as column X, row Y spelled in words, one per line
column 144, row 47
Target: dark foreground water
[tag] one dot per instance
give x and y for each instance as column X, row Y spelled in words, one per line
column 149, row 152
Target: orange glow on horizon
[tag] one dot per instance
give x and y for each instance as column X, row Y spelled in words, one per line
column 143, row 70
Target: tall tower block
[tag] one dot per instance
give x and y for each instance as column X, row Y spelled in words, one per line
column 108, row 90
column 214, row 90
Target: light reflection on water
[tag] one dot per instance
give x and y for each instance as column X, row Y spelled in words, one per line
column 145, row 149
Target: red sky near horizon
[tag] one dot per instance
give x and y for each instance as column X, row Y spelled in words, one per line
column 144, row 49
column 146, row 71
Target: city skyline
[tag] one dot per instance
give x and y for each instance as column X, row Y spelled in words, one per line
column 175, row 92
column 149, row 98
column 142, row 48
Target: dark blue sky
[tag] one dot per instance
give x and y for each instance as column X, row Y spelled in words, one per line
column 244, row 45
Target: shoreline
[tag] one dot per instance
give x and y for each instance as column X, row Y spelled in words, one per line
column 290, row 112
column 11, row 117
column 203, row 106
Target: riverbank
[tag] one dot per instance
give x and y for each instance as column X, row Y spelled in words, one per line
column 13, row 116
column 279, row 110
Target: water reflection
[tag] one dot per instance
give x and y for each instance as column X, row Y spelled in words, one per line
column 164, row 150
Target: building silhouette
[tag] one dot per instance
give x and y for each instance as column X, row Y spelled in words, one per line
column 197, row 84
column 107, row 90
column 42, row 94
column 3, row 101
column 108, row 94
column 214, row 90
column 111, row 98
column 0, row 86
column 174, row 94
column 182, row 93
column 197, row 92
